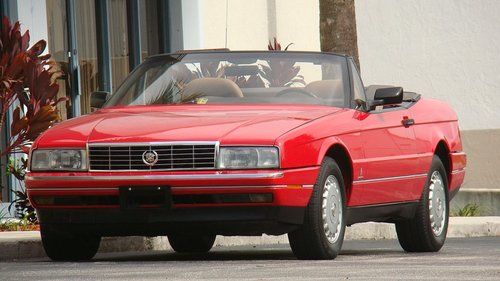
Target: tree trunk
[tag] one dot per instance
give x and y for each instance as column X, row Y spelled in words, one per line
column 337, row 26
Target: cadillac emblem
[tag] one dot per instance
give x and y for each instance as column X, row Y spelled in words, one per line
column 150, row 157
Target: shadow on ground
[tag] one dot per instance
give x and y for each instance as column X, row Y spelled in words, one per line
column 253, row 253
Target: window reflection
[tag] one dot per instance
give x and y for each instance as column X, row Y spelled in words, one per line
column 87, row 51
column 118, row 39
column 58, row 48
column 86, row 40
column 148, row 16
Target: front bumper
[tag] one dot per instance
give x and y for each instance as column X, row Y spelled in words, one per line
column 290, row 190
column 290, row 187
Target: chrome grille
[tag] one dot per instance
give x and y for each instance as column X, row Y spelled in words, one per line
column 112, row 157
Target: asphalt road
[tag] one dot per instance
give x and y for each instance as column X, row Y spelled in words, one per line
column 460, row 259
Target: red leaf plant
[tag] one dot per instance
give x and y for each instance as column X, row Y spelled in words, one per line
column 27, row 79
column 281, row 73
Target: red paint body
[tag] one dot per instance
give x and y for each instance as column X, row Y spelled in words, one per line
column 389, row 162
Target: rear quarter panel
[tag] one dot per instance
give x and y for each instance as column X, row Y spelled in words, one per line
column 435, row 121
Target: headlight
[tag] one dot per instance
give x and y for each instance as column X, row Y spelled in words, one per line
column 59, row 160
column 248, row 157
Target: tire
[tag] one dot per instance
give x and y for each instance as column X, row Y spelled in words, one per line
column 321, row 235
column 426, row 231
column 191, row 243
column 61, row 246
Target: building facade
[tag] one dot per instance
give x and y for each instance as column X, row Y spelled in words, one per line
column 447, row 50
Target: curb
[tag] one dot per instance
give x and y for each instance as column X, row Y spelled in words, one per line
column 30, row 246
column 488, row 200
column 26, row 244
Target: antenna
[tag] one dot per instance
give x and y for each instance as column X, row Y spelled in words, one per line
column 225, row 41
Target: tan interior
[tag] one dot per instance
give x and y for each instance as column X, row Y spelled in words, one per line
column 326, row 89
column 221, row 87
column 215, row 87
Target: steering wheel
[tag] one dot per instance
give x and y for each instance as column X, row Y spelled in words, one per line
column 296, row 90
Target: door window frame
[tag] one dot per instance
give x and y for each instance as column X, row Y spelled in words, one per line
column 353, row 71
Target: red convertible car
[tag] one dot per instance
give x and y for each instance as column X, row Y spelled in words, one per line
column 205, row 143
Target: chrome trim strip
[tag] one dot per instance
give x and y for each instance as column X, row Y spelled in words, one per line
column 97, row 144
column 391, row 158
column 152, row 170
column 272, row 175
column 173, row 188
column 72, row 189
column 216, row 156
column 454, row 172
column 390, row 178
column 229, row 186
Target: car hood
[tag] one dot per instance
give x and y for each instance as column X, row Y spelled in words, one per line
column 227, row 124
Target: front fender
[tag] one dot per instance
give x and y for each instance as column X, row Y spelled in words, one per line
column 313, row 153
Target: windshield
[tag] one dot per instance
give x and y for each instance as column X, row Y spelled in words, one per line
column 237, row 78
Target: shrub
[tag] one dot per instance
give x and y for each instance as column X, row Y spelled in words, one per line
column 27, row 80
column 469, row 210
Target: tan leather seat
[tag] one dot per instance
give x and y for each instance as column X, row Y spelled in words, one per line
column 326, row 89
column 215, row 87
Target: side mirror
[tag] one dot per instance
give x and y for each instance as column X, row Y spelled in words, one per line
column 98, row 99
column 383, row 96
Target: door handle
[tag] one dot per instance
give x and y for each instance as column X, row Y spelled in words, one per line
column 407, row 122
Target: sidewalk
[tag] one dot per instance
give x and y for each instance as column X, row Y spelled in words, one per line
column 27, row 244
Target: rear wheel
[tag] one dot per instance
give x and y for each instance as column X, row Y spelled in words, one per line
column 65, row 246
column 191, row 243
column 322, row 234
column 426, row 231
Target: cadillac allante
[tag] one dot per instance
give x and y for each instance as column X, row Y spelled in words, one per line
column 204, row 143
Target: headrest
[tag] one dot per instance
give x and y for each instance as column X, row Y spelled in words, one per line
column 217, row 87
column 326, row 89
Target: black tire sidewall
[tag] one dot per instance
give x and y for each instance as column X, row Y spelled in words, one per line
column 437, row 165
column 190, row 243
column 67, row 246
column 330, row 167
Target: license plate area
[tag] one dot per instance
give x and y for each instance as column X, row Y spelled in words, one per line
column 159, row 197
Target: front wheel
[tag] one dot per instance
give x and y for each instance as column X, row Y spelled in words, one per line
column 191, row 243
column 322, row 234
column 426, row 231
column 61, row 246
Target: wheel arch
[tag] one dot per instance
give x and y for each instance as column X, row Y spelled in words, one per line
column 340, row 154
column 442, row 151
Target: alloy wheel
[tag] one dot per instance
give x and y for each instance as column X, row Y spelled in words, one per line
column 437, row 203
column 332, row 209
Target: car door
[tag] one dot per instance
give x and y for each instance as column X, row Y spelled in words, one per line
column 386, row 172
